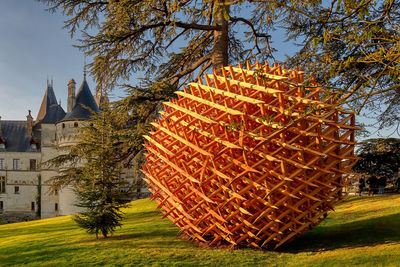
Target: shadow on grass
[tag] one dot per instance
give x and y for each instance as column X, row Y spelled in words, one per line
column 163, row 236
column 367, row 232
column 39, row 253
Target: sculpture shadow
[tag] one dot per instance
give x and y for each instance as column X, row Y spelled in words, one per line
column 368, row 232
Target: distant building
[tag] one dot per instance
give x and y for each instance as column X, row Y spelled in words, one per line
column 26, row 144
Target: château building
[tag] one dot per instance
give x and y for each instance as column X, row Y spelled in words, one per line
column 24, row 145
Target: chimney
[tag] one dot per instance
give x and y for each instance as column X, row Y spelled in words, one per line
column 71, row 95
column 98, row 98
column 2, row 140
column 29, row 121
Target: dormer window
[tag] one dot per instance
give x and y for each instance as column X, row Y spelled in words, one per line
column 33, row 146
column 2, row 143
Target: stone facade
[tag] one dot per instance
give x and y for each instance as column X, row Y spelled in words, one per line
column 18, row 185
column 24, row 181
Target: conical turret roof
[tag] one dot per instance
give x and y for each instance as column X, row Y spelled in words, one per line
column 50, row 111
column 85, row 103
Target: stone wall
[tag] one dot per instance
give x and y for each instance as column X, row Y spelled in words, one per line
column 50, row 200
column 12, row 217
column 21, row 184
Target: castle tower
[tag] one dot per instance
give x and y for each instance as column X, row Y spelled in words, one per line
column 50, row 112
column 66, row 136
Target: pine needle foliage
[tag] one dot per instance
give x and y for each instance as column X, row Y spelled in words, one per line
column 92, row 167
column 355, row 46
column 168, row 41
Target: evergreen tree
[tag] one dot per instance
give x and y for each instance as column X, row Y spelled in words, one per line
column 355, row 46
column 379, row 156
column 128, row 36
column 93, row 168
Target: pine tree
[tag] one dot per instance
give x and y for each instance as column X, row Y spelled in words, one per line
column 355, row 46
column 168, row 40
column 93, row 168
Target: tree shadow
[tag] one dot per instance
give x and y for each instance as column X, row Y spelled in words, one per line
column 141, row 238
column 367, row 232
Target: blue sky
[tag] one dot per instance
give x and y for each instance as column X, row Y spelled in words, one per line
column 33, row 46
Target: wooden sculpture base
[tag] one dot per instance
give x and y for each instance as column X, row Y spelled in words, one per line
column 250, row 157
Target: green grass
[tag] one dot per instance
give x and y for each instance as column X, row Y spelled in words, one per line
column 363, row 231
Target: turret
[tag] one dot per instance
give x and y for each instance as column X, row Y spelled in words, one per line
column 71, row 95
column 50, row 111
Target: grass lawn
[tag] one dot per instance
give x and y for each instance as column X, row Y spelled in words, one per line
column 363, row 231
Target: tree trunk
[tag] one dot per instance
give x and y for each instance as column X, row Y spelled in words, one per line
column 221, row 41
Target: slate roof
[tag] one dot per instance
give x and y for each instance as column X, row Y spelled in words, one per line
column 49, row 99
column 54, row 114
column 50, row 111
column 14, row 133
column 16, row 137
column 84, row 100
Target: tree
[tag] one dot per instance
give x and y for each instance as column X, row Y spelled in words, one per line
column 379, row 157
column 355, row 46
column 93, row 168
column 128, row 36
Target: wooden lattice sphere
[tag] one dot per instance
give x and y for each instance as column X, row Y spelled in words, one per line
column 250, row 156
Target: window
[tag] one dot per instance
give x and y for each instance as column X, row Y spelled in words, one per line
column 56, row 192
column 16, row 164
column 56, row 206
column 34, row 147
column 32, row 164
column 63, row 125
column 1, row 164
column 2, row 184
column 16, row 189
column 1, row 205
column 33, row 206
column 75, row 124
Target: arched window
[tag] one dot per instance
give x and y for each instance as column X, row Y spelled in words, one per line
column 63, row 125
column 76, row 125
